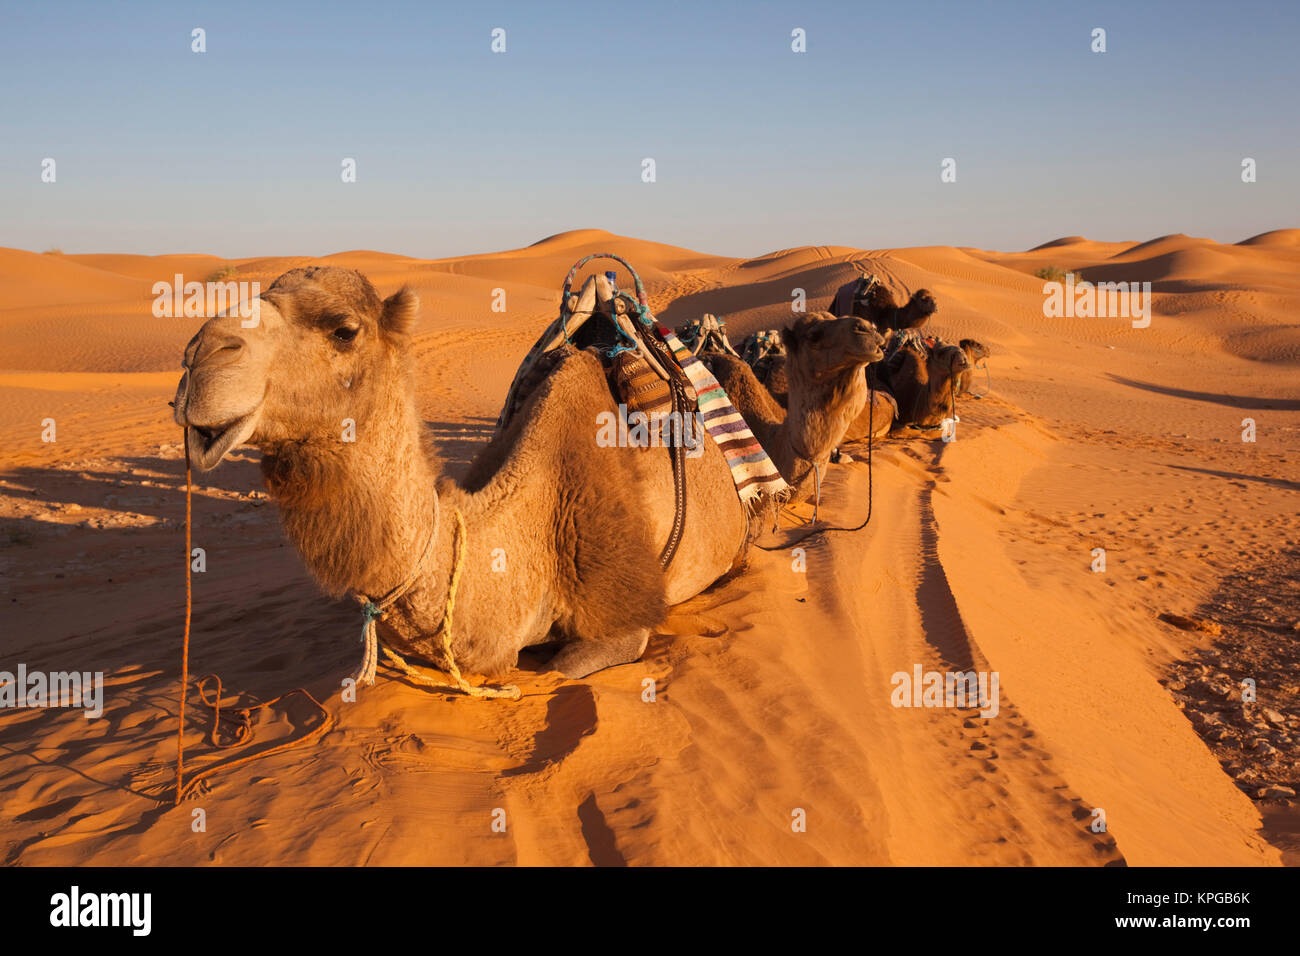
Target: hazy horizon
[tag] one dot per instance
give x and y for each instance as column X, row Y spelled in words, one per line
column 623, row 235
column 237, row 151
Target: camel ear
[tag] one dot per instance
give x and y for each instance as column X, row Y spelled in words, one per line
column 400, row 310
column 789, row 340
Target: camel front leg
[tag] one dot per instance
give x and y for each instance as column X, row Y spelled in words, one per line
column 586, row 655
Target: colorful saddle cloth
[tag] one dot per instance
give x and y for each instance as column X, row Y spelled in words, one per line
column 752, row 470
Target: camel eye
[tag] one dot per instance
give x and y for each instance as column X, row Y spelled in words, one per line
column 344, row 334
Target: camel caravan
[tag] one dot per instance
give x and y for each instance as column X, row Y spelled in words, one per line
column 630, row 468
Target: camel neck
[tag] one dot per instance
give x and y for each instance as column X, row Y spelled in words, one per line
column 819, row 414
column 360, row 511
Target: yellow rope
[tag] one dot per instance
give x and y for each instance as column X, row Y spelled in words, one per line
column 420, row 676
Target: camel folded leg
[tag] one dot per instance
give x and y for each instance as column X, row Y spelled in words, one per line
column 585, row 656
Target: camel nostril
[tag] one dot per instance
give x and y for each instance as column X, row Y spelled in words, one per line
column 218, row 350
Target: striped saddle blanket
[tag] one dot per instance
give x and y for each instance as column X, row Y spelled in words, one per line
column 752, row 470
column 755, row 476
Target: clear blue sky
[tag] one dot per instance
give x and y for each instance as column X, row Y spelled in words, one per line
column 237, row 151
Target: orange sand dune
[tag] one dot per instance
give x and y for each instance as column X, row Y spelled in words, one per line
column 774, row 688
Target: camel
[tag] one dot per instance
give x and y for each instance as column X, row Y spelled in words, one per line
column 975, row 351
column 868, row 299
column 920, row 379
column 561, row 536
column 877, row 418
column 825, row 359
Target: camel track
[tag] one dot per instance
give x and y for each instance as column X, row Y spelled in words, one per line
column 1011, row 806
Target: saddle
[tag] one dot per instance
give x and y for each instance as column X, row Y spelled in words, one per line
column 707, row 334
column 651, row 372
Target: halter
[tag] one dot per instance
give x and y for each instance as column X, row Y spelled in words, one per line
column 377, row 610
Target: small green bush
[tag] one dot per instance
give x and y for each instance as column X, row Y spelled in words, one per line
column 224, row 274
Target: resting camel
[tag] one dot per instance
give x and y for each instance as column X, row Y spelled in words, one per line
column 868, row 299
column 975, row 351
column 865, row 298
column 825, row 358
column 562, row 536
column 920, row 379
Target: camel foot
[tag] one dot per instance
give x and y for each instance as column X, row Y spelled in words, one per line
column 588, row 655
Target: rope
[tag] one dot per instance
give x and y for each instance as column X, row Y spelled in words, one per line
column 871, row 414
column 185, row 643
column 952, row 405
column 817, row 486
column 243, row 717
column 372, row 611
column 509, row 691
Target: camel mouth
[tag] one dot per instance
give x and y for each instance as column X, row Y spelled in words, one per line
column 209, row 444
column 870, row 346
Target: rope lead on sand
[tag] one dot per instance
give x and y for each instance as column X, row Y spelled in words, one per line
column 243, row 716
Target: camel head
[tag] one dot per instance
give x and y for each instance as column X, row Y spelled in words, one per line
column 319, row 347
column 919, row 308
column 943, row 366
column 947, row 361
column 824, row 363
column 820, row 347
column 974, row 349
column 877, row 306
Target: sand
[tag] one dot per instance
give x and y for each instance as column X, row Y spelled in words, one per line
column 773, row 688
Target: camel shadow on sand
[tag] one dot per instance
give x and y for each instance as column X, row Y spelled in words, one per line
column 1232, row 401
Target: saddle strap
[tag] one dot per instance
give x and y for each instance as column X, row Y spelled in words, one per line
column 678, row 451
column 678, row 385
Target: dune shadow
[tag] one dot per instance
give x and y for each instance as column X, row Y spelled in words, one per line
column 1254, row 608
column 1236, row 476
column 1216, row 398
column 92, row 581
column 149, row 486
